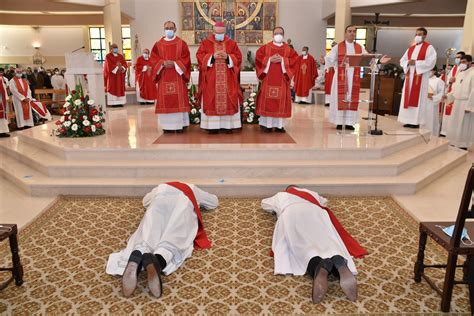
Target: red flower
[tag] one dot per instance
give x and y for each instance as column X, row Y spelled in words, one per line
column 98, row 125
column 82, row 99
column 86, row 129
column 94, row 112
column 58, row 122
column 62, row 130
column 73, row 92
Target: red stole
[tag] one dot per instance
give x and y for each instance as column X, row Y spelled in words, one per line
column 39, row 108
column 328, row 76
column 114, row 83
column 412, row 89
column 24, row 92
column 201, row 241
column 354, row 248
column 3, row 100
column 144, row 79
column 305, row 75
column 449, row 107
column 341, row 79
column 274, row 97
column 219, row 85
column 172, row 91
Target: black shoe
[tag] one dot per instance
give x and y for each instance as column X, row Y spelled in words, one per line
column 280, row 130
column 153, row 269
column 213, row 131
column 441, row 135
column 320, row 283
column 142, row 103
column 267, row 130
column 167, row 131
column 4, row 135
column 415, row 126
column 130, row 275
column 179, row 131
column 350, row 127
column 339, row 127
column 406, row 125
column 229, row 131
column 326, row 104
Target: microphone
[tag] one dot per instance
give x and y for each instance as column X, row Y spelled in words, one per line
column 78, row 49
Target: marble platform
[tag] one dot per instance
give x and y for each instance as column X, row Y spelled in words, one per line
column 126, row 161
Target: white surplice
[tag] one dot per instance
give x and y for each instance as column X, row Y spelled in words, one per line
column 414, row 115
column 444, row 126
column 460, row 132
column 336, row 116
column 4, row 120
column 303, row 231
column 168, row 228
column 430, row 120
column 59, row 83
column 17, row 97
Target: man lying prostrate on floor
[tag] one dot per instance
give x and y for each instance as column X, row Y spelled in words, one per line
column 309, row 239
column 171, row 226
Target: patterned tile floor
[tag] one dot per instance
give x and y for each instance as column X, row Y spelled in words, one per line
column 65, row 250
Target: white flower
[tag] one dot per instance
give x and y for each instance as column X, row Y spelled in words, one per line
column 251, row 99
column 96, row 118
column 66, row 104
column 67, row 124
column 86, row 123
column 74, row 127
column 84, row 117
column 62, row 119
column 69, row 97
column 90, row 102
column 197, row 120
column 253, row 94
column 73, row 120
column 193, row 111
column 253, row 103
column 78, row 102
column 66, row 112
column 246, row 103
column 249, row 119
column 251, row 115
column 93, row 128
column 246, row 109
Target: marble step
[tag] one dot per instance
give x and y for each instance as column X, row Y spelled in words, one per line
column 343, row 148
column 408, row 182
column 56, row 167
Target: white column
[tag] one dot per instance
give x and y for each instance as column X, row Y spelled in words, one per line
column 343, row 18
column 113, row 24
column 467, row 43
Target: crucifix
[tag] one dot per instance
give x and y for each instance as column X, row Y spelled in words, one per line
column 376, row 23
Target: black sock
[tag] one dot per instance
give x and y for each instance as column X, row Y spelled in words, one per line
column 161, row 261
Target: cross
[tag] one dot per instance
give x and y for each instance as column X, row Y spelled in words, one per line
column 376, row 24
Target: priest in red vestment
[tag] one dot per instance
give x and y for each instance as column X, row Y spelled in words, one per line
column 4, row 130
column 145, row 87
column 219, row 60
column 305, row 76
column 276, row 64
column 172, row 72
column 115, row 67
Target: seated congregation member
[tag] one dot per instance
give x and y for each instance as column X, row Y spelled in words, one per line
column 172, row 72
column 219, row 60
column 305, row 76
column 430, row 120
column 275, row 65
column 309, row 239
column 24, row 104
column 172, row 224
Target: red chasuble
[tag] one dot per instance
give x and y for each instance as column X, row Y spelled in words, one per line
column 114, row 83
column 305, row 75
column 219, row 85
column 341, row 79
column 412, row 89
column 3, row 99
column 145, row 78
column 201, row 241
column 449, row 107
column 274, row 96
column 354, row 248
column 23, row 90
column 328, row 76
column 172, row 93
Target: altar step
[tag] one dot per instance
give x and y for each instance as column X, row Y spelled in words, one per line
column 436, row 161
column 53, row 166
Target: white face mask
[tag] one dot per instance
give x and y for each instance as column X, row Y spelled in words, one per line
column 145, row 55
column 462, row 67
column 278, row 38
column 457, row 61
column 418, row 39
column 304, row 53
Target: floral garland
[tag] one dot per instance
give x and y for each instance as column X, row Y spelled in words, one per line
column 81, row 118
column 194, row 114
column 249, row 116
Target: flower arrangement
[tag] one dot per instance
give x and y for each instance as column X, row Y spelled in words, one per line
column 194, row 114
column 80, row 117
column 248, row 110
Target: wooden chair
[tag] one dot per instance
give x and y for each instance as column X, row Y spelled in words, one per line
column 10, row 231
column 453, row 246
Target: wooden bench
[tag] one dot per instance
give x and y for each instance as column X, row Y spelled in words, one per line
column 42, row 95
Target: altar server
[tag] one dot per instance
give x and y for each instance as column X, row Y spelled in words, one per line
column 305, row 76
column 115, row 67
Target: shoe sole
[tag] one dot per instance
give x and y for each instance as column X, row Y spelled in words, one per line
column 320, row 286
column 348, row 283
column 154, row 281
column 129, row 279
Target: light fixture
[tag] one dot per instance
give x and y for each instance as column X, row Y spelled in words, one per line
column 36, row 45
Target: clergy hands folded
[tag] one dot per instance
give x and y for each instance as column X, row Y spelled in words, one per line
column 220, row 55
column 275, row 59
column 168, row 64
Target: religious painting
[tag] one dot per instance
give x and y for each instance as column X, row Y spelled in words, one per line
column 249, row 22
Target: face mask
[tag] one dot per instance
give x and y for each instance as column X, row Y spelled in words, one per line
column 278, row 38
column 49, row 74
column 220, row 37
column 18, row 75
column 462, row 67
column 449, row 230
column 115, row 50
column 169, row 33
column 304, row 53
column 56, row 72
column 418, row 39
column 145, row 55
column 457, row 61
